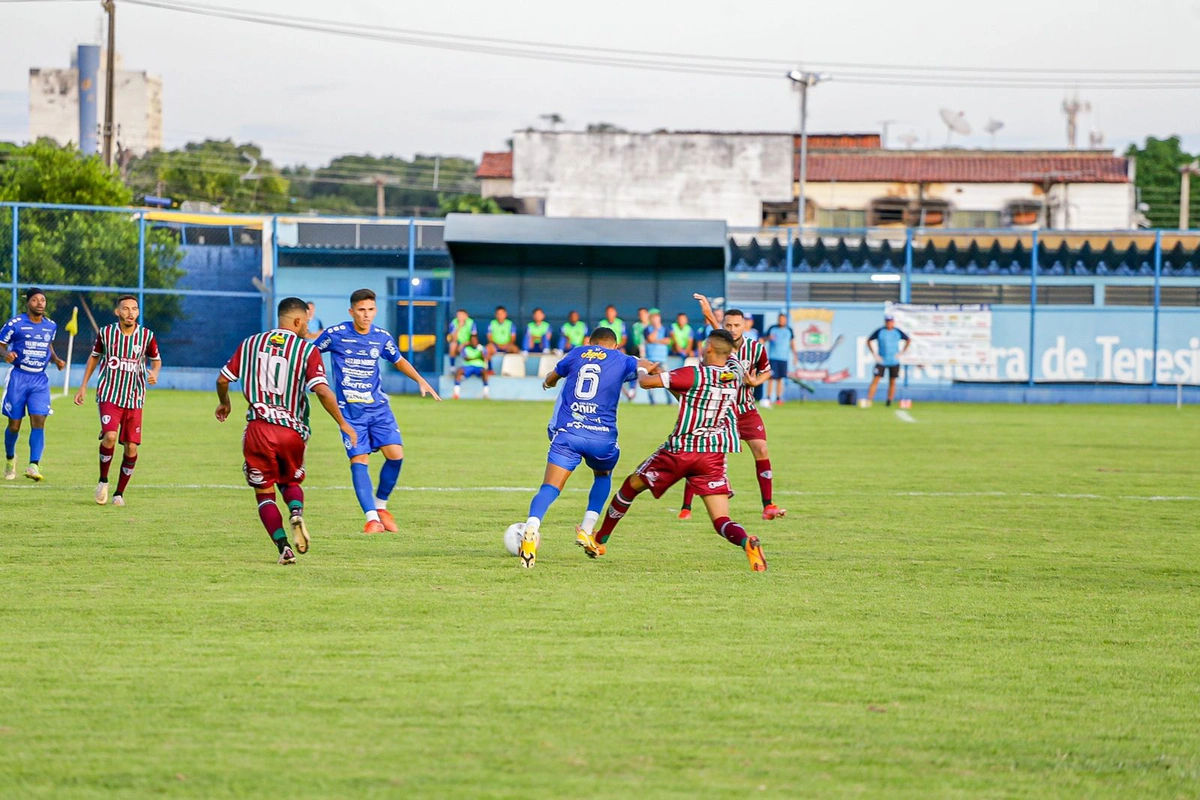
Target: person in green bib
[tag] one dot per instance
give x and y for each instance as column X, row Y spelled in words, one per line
column 637, row 334
column 573, row 333
column 537, row 333
column 683, row 338
column 462, row 328
column 616, row 325
column 474, row 365
column 500, row 335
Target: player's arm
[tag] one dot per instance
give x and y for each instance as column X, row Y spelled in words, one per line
column 410, row 371
column 706, row 310
column 329, row 403
column 872, row 344
column 677, row 380
column 81, row 394
column 230, row 372
column 907, row 342
column 58, row 362
column 155, row 357
column 561, row 370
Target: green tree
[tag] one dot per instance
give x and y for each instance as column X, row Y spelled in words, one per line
column 468, row 204
column 234, row 177
column 347, row 184
column 1158, row 181
column 81, row 248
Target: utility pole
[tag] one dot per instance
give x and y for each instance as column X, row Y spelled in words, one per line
column 380, row 205
column 110, row 68
column 1185, row 191
column 802, row 81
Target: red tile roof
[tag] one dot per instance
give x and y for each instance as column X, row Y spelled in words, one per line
column 495, row 165
column 965, row 167
column 841, row 141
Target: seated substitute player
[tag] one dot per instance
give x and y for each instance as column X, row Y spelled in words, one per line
column 583, row 427
column 537, row 333
column 500, row 335
column 695, row 451
column 885, row 345
column 355, row 347
column 27, row 343
column 474, row 365
column 683, row 338
column 752, row 354
column 276, row 369
column 462, row 328
column 573, row 333
column 122, row 348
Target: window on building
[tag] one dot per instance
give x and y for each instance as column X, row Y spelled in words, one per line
column 1144, row 296
column 975, row 219
column 1023, row 212
column 929, row 213
column 778, row 215
column 841, row 218
column 887, row 211
column 925, row 292
column 853, row 292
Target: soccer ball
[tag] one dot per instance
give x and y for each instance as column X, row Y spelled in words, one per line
column 513, row 536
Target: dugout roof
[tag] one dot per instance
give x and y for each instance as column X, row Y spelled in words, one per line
column 496, row 240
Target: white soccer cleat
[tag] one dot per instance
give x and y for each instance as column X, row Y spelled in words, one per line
column 101, row 494
column 10, row 469
column 118, row 500
column 766, row 403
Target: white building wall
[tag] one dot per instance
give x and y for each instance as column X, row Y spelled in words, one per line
column 653, row 176
column 54, row 107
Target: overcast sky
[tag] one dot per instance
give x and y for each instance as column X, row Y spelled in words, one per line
column 307, row 97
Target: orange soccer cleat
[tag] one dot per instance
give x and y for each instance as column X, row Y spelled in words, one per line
column 773, row 511
column 758, row 562
column 685, row 513
column 389, row 522
column 373, row 526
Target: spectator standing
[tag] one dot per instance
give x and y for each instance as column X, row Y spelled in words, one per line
column 781, row 346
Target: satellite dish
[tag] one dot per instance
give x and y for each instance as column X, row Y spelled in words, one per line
column 1095, row 138
column 956, row 122
column 992, row 126
column 909, row 139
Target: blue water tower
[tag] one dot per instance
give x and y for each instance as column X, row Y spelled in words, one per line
column 88, row 60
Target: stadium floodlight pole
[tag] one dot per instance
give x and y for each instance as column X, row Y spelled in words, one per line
column 802, row 81
column 110, row 8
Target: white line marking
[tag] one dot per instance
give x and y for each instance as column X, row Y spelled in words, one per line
column 904, row 416
column 531, row 489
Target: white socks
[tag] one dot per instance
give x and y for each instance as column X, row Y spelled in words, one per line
column 589, row 521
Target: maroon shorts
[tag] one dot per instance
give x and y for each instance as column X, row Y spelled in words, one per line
column 704, row 472
column 750, row 426
column 126, row 421
column 274, row 454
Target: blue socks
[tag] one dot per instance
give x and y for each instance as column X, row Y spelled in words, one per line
column 389, row 473
column 10, row 443
column 361, row 477
column 37, row 443
column 542, row 500
column 601, row 489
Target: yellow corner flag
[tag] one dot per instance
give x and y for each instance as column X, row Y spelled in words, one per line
column 72, row 327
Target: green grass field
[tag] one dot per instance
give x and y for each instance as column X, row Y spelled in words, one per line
column 993, row 602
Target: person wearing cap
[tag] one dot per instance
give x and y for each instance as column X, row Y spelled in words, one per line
column 27, row 343
column 887, row 344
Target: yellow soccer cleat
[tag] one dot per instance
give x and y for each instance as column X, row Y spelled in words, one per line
column 299, row 532
column 33, row 473
column 588, row 542
column 758, row 562
column 10, row 469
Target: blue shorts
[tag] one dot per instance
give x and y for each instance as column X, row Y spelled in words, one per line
column 568, row 449
column 473, row 372
column 375, row 431
column 779, row 368
column 25, row 392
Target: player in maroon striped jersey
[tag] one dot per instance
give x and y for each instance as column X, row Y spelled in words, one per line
column 752, row 354
column 695, row 450
column 123, row 349
column 276, row 368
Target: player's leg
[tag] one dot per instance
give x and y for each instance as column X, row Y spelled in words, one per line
column 658, row 473
column 290, row 452
column 13, row 406
column 718, row 511
column 483, row 376
column 389, row 474
column 131, row 438
column 110, row 425
column 458, row 377
column 766, row 478
column 11, row 432
column 689, row 494
column 874, row 383
column 561, row 460
column 37, row 405
column 262, row 473
column 360, row 472
column 893, row 373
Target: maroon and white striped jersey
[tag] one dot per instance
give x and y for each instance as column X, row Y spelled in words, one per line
column 752, row 355
column 276, row 369
column 706, row 421
column 123, row 360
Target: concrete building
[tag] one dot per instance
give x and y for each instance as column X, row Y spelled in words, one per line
column 751, row 180
column 67, row 105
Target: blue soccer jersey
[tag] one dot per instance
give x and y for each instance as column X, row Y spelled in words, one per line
column 355, row 357
column 30, row 341
column 888, row 342
column 591, row 390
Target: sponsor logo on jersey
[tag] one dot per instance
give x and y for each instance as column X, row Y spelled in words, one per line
column 716, row 484
column 595, row 355
column 585, row 408
column 726, row 377
column 651, row 476
column 374, row 352
column 277, row 340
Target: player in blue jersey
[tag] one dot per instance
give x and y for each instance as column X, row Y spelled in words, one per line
column 27, row 343
column 355, row 347
column 583, row 427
